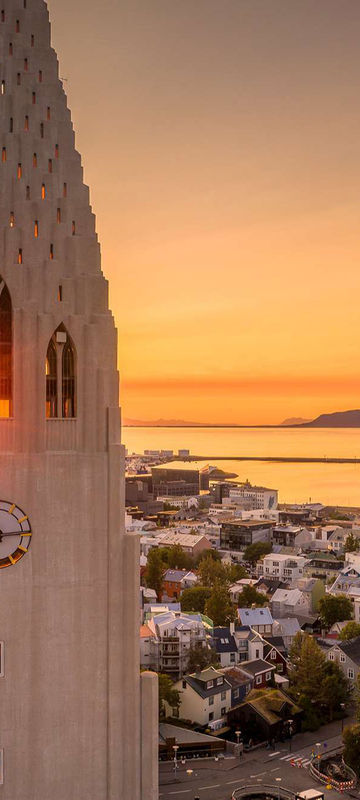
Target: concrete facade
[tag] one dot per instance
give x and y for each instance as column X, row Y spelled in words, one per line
column 75, row 719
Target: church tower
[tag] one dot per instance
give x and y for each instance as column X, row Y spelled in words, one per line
column 76, row 720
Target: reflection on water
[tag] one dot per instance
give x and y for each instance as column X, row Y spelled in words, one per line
column 326, row 483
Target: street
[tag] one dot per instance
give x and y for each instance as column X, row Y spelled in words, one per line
column 280, row 767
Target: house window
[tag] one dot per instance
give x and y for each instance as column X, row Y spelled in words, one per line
column 232, row 657
column 220, row 681
column 184, row 684
column 257, row 653
column 223, row 695
column 236, row 693
column 351, row 674
column 273, row 655
column 342, row 658
column 258, row 679
column 5, row 351
column 210, row 684
column 223, row 711
column 211, row 701
column 211, row 716
column 268, row 676
column 331, row 657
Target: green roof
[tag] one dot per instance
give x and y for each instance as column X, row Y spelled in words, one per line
column 269, row 702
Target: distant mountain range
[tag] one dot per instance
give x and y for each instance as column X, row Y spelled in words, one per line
column 295, row 421
column 339, row 419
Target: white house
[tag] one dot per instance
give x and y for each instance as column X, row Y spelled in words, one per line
column 205, row 698
column 175, row 633
column 282, row 566
column 289, row 603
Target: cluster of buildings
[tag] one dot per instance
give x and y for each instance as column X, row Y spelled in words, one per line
column 306, row 560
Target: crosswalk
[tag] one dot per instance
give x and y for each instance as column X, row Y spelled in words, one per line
column 296, row 759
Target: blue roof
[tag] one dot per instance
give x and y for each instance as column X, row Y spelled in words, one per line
column 255, row 616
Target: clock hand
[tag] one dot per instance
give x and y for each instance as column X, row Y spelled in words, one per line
column 12, row 533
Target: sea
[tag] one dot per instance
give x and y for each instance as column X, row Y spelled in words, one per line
column 331, row 484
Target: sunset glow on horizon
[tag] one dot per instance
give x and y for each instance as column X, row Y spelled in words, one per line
column 221, row 143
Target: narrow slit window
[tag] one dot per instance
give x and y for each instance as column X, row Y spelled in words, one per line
column 11, row 125
column 48, row 113
column 10, row 48
column 57, row 151
column 60, row 294
column 73, row 227
column 50, row 165
column 26, row 123
column 19, row 170
column 68, row 381
column 32, row 40
column 26, row 64
column 65, row 190
column 43, row 191
column 12, row 219
column 34, row 160
column 18, row 78
column 17, row 26
column 51, row 254
column 6, row 348
column 34, row 98
column 3, row 87
column 28, row 194
column 20, row 256
column 2, row 15
column 36, row 229
column 58, row 216
column 3, row 155
column 42, row 130
column 51, row 381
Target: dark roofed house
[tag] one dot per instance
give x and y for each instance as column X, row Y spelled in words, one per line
column 261, row 672
column 225, row 645
column 275, row 653
column 265, row 715
column 241, row 684
column 347, row 656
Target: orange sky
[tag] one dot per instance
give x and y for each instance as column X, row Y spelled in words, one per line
column 220, row 139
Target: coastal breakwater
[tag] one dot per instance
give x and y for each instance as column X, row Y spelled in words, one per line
column 279, row 459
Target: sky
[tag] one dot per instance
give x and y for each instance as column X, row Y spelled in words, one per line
column 221, row 143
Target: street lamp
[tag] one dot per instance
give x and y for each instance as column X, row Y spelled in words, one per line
column 278, row 783
column 342, row 706
column 237, row 734
column 291, row 722
column 176, row 766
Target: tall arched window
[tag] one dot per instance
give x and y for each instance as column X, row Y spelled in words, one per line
column 51, row 380
column 68, row 381
column 5, row 351
column 61, row 376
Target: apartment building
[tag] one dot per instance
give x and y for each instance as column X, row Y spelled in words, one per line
column 282, row 566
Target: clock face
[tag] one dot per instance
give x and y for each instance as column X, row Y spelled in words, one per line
column 15, row 534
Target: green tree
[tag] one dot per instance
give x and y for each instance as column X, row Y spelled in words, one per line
column 218, row 606
column 167, row 693
column 334, row 688
column 350, row 631
column 307, row 668
column 211, row 571
column 254, row 552
column 154, row 571
column 194, row 599
column 201, row 657
column 352, row 544
column 351, row 739
column 176, row 558
column 214, row 554
column 249, row 596
column 335, row 608
column 318, row 685
column 235, row 572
